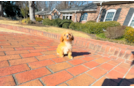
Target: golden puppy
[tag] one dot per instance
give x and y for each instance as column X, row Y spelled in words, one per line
column 65, row 47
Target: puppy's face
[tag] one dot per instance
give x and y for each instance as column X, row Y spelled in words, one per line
column 67, row 37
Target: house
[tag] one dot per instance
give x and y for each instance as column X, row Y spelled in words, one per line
column 77, row 14
column 48, row 14
column 99, row 11
column 120, row 11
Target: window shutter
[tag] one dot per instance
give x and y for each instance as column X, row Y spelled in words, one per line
column 128, row 17
column 117, row 14
column 103, row 14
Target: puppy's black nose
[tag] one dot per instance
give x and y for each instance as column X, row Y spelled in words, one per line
column 67, row 36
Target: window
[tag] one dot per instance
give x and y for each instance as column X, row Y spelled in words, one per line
column 84, row 16
column 110, row 15
column 67, row 16
column 55, row 16
column 131, row 23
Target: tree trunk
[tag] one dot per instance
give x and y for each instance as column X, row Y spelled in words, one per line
column 31, row 10
column 1, row 9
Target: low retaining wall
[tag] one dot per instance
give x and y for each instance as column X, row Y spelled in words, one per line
column 115, row 50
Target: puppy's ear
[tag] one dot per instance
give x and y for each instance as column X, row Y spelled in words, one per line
column 62, row 39
column 72, row 37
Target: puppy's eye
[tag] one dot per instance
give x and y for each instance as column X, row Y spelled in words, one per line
column 69, row 34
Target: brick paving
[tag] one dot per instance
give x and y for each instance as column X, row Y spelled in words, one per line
column 27, row 60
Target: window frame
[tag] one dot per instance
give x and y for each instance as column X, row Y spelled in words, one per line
column 84, row 15
column 110, row 10
column 131, row 20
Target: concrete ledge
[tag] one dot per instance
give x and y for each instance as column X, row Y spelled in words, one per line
column 114, row 50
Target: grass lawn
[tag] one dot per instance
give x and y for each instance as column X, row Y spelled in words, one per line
column 49, row 29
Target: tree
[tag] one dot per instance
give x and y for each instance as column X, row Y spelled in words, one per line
column 1, row 9
column 32, row 10
column 24, row 11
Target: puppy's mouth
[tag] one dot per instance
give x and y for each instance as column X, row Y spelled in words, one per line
column 67, row 37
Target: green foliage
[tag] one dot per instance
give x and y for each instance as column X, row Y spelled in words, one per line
column 101, row 35
column 129, row 34
column 47, row 22
column 110, row 24
column 90, row 21
column 38, row 19
column 115, row 32
column 24, row 11
column 75, row 26
column 11, row 9
column 65, row 23
column 57, row 22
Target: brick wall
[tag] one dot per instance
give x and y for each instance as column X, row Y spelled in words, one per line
column 123, row 13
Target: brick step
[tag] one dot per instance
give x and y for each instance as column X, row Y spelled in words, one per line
column 118, row 51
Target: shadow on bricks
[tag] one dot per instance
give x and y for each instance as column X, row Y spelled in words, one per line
column 74, row 54
column 121, row 82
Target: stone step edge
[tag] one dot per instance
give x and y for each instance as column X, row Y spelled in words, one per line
column 114, row 49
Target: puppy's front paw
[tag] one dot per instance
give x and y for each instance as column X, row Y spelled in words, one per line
column 70, row 57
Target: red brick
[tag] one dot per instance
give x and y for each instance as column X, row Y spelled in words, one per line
column 115, row 75
column 13, row 69
column 121, row 69
column 81, row 80
column 24, row 48
column 32, row 74
column 76, row 61
column 31, row 54
column 3, row 64
column 114, row 62
column 22, row 61
column 56, row 78
column 49, row 52
column 46, row 57
column 88, row 58
column 7, row 81
column 41, row 47
column 57, row 60
column 4, row 44
column 12, row 46
column 77, row 70
column 91, row 64
column 59, row 66
column 107, row 66
column 38, row 50
column 16, row 52
column 63, row 84
column 100, row 60
column 9, row 57
column 38, row 64
column 97, row 72
column 32, row 83
column 2, row 53
column 6, row 49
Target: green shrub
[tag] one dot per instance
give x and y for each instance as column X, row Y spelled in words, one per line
column 101, row 35
column 38, row 19
column 129, row 34
column 115, row 32
column 26, row 20
column 91, row 21
column 75, row 26
column 110, row 24
column 57, row 22
column 65, row 23
column 47, row 22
